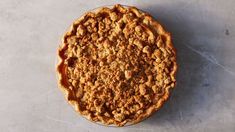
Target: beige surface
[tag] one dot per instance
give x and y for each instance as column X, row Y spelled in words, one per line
column 203, row 33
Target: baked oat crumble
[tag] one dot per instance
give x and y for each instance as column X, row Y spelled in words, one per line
column 117, row 65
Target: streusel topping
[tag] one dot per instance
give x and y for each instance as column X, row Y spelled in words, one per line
column 119, row 64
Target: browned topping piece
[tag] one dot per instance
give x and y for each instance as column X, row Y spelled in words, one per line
column 142, row 89
column 146, row 50
column 116, row 65
column 128, row 74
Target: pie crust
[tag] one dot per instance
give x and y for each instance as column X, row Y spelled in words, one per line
column 116, row 65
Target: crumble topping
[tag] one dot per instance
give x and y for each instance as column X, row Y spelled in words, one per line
column 119, row 64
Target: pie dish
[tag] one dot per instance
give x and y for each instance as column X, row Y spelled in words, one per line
column 116, row 65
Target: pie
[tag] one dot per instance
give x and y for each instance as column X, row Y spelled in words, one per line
column 116, row 65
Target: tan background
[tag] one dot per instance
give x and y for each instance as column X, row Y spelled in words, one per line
column 203, row 33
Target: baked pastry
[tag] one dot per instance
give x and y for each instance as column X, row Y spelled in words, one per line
column 116, row 65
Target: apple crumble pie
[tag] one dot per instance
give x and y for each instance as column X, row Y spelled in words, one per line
column 116, row 65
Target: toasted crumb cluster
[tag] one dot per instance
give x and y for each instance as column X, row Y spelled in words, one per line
column 117, row 65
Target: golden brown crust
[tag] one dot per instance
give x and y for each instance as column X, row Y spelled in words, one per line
column 144, row 81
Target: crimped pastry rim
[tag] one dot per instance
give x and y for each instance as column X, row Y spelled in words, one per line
column 67, row 92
